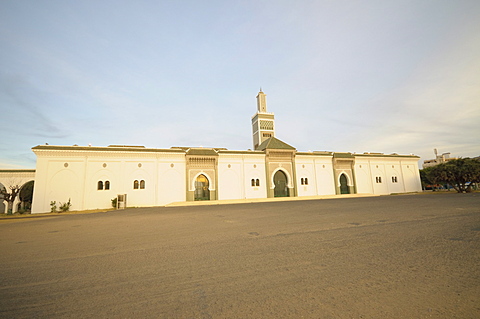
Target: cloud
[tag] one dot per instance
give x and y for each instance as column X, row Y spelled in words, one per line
column 21, row 113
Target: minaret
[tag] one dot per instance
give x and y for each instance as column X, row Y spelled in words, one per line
column 263, row 123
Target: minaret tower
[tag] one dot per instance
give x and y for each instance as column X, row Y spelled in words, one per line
column 263, row 123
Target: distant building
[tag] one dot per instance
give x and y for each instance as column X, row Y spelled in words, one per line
column 92, row 176
column 439, row 159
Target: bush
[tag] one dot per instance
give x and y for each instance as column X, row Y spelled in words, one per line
column 114, row 202
column 53, row 207
column 65, row 207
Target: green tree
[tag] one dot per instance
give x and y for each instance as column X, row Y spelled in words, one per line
column 424, row 177
column 460, row 173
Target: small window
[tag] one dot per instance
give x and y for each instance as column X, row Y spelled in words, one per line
column 378, row 179
column 306, row 181
column 301, row 181
column 100, row 185
column 107, row 185
column 142, row 184
column 257, row 182
column 135, row 184
column 394, row 179
column 253, row 182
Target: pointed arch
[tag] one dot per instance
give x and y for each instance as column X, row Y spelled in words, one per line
column 202, row 187
column 280, row 181
column 343, row 182
column 287, row 174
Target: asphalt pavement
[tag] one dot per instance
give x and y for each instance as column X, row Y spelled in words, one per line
column 405, row 256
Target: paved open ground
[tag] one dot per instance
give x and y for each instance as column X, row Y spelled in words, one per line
column 406, row 256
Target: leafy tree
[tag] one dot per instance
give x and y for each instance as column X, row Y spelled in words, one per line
column 424, row 177
column 460, row 173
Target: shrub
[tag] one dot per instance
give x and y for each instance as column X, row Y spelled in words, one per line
column 114, row 202
column 53, row 206
column 65, row 207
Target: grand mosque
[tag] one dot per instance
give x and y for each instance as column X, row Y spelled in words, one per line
column 90, row 177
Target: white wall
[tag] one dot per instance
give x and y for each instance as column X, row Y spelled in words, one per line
column 405, row 169
column 363, row 176
column 255, row 168
column 411, row 176
column 76, row 177
column 235, row 174
column 171, row 179
column 230, row 172
column 305, row 169
column 325, row 179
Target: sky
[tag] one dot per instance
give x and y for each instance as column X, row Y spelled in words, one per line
column 345, row 76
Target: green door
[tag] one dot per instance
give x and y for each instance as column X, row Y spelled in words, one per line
column 201, row 188
column 281, row 182
column 344, row 185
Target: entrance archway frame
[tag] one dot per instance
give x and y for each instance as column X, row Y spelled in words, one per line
column 194, row 180
column 350, row 182
column 290, row 181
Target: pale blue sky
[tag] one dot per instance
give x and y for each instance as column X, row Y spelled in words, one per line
column 348, row 76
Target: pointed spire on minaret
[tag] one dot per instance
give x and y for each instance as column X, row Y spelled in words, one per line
column 261, row 102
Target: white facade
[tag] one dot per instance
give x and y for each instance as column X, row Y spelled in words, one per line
column 387, row 175
column 90, row 177
column 73, row 172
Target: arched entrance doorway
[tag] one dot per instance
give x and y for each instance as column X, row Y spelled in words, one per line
column 280, row 180
column 344, row 189
column 201, row 188
column 26, row 196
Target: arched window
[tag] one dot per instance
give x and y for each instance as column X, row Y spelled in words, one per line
column 301, row 181
column 99, row 185
column 253, row 182
column 394, row 179
column 107, row 185
column 142, row 184
column 378, row 179
column 257, row 182
column 306, row 181
column 135, row 184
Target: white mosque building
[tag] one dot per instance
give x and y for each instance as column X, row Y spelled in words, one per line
column 92, row 176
